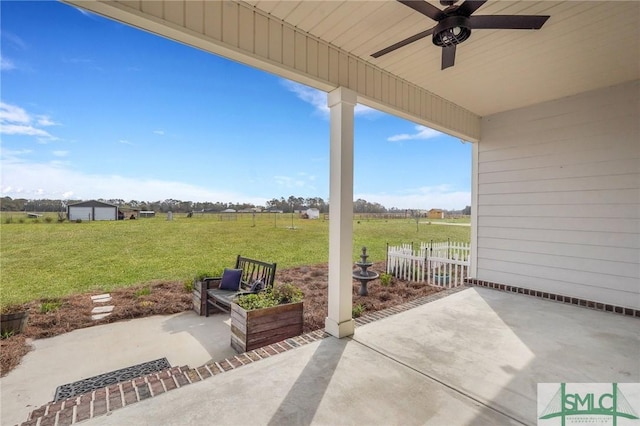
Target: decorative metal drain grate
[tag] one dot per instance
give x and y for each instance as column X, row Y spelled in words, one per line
column 92, row 383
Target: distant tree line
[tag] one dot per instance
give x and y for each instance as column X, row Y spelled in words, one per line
column 287, row 205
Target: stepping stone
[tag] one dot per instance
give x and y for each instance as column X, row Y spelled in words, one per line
column 102, row 309
column 97, row 317
column 101, row 298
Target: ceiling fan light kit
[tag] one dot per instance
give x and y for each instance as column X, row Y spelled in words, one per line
column 451, row 30
column 455, row 24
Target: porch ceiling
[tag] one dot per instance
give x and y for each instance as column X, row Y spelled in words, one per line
column 583, row 46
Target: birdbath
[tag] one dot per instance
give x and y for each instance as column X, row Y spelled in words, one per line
column 362, row 274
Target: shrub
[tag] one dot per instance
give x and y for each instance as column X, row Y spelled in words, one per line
column 8, row 219
column 7, row 334
column 286, row 293
column 48, row 219
column 50, row 305
column 385, row 279
column 357, row 310
column 21, row 220
column 188, row 286
column 78, row 220
column 144, row 291
column 278, row 295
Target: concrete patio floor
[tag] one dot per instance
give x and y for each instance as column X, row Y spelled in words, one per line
column 472, row 358
column 184, row 339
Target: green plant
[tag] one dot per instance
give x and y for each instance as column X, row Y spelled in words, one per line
column 144, row 291
column 357, row 310
column 48, row 219
column 50, row 305
column 202, row 275
column 278, row 295
column 7, row 334
column 286, row 293
column 78, row 220
column 385, row 279
column 21, row 220
column 8, row 219
column 188, row 286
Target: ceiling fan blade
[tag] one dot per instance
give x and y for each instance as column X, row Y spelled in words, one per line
column 508, row 22
column 470, row 6
column 402, row 43
column 448, row 56
column 425, row 8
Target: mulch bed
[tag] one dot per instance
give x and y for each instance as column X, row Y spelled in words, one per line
column 165, row 298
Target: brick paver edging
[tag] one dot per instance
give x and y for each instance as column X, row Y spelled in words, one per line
column 102, row 401
column 585, row 303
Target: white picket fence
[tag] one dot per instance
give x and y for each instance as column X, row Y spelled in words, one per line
column 444, row 264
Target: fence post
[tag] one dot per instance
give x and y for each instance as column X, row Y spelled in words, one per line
column 387, row 258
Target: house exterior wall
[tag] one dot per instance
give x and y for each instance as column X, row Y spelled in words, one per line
column 558, row 197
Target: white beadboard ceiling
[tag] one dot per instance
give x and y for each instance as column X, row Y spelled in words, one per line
column 583, row 46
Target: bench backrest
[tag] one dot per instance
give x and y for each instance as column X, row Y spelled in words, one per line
column 253, row 270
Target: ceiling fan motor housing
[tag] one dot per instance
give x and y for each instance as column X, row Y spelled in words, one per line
column 451, row 30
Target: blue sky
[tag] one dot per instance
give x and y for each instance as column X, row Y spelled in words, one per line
column 91, row 108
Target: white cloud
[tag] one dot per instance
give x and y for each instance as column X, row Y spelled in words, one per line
column 60, row 153
column 441, row 196
column 12, row 113
column 318, row 99
column 159, row 132
column 289, row 182
column 422, row 132
column 87, row 13
column 6, row 64
column 21, row 178
column 16, row 121
column 124, row 142
column 17, row 129
column 13, row 40
column 45, row 120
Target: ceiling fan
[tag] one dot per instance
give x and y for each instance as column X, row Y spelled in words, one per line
column 455, row 24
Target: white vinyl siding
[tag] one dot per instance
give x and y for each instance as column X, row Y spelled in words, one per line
column 558, row 197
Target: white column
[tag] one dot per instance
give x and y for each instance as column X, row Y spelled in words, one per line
column 341, row 103
column 473, row 267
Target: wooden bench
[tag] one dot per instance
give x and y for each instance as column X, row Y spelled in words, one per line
column 252, row 271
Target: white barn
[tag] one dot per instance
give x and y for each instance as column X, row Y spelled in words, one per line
column 553, row 116
column 313, row 213
column 92, row 210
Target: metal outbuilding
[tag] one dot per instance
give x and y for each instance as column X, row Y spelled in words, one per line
column 92, row 210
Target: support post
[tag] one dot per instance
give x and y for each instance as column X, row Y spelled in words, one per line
column 339, row 322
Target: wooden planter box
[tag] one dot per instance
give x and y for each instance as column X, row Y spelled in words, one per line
column 253, row 329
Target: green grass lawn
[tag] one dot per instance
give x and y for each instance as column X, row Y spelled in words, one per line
column 40, row 259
